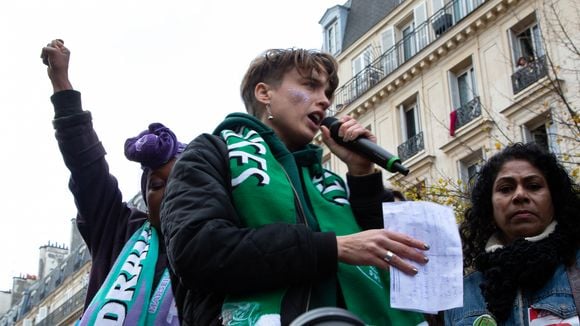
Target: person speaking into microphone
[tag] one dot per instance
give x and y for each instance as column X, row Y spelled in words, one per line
column 258, row 232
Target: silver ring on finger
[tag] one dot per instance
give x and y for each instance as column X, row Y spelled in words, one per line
column 389, row 256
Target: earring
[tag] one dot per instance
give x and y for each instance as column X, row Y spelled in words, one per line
column 269, row 109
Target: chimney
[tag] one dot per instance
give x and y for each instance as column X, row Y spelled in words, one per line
column 19, row 285
column 76, row 240
column 51, row 256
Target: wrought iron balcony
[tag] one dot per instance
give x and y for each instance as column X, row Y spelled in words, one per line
column 468, row 112
column 411, row 147
column 529, row 74
column 75, row 303
column 403, row 50
column 355, row 87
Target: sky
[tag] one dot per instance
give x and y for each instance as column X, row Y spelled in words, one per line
column 179, row 62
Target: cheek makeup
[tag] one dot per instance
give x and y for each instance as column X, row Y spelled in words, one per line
column 298, row 96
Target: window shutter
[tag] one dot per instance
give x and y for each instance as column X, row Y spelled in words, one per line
column 516, row 51
column 388, row 39
column 454, row 90
column 421, row 29
column 437, row 5
column 526, row 134
column 420, row 14
column 367, row 57
column 551, row 131
column 331, row 39
column 357, row 65
column 390, row 55
column 417, row 116
column 474, row 92
column 403, row 122
column 538, row 47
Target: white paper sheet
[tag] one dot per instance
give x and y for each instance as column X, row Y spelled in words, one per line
column 439, row 284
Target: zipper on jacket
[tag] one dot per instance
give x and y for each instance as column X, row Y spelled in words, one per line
column 301, row 218
column 300, row 211
column 307, row 308
column 520, row 306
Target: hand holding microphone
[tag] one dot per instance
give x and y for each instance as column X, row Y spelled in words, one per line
column 366, row 148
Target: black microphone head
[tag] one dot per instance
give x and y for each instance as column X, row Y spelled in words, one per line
column 398, row 167
column 333, row 125
column 328, row 121
column 366, row 147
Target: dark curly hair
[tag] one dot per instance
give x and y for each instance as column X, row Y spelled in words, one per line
column 479, row 225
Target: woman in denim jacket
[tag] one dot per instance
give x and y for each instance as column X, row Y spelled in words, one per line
column 519, row 236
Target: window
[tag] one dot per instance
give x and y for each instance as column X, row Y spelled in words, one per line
column 402, row 42
column 333, row 23
column 463, row 7
column 442, row 18
column 526, row 40
column 540, row 133
column 408, row 42
column 469, row 167
column 362, row 61
column 465, row 86
column 462, row 85
column 42, row 313
column 410, row 129
column 528, row 53
column 414, row 32
column 331, row 37
column 409, row 119
column 390, row 60
column 464, row 95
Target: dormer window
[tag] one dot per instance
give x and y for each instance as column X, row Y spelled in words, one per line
column 333, row 23
column 331, row 37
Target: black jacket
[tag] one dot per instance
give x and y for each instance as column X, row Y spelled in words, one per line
column 213, row 254
column 104, row 221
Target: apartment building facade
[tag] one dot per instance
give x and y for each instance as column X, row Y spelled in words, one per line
column 438, row 81
column 55, row 297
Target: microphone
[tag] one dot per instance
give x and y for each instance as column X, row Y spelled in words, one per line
column 367, row 148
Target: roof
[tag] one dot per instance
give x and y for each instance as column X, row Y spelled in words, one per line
column 363, row 15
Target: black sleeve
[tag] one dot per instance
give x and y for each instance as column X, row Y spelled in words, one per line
column 367, row 193
column 209, row 249
column 102, row 216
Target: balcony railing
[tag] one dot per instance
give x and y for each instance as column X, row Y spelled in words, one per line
column 58, row 315
column 405, row 49
column 468, row 112
column 529, row 74
column 411, row 147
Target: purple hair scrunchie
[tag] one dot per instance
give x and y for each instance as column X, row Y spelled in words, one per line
column 153, row 147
